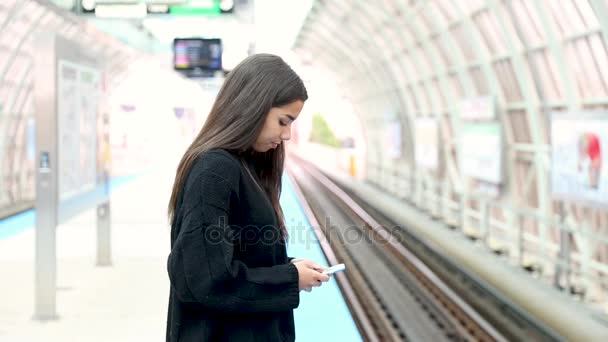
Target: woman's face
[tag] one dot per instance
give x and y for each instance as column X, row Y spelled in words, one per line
column 277, row 126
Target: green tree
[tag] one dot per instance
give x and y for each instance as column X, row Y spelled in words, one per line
column 322, row 133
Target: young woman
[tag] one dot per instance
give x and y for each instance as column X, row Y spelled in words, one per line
column 231, row 279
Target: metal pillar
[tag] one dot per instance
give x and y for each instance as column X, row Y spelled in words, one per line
column 64, row 73
column 46, row 180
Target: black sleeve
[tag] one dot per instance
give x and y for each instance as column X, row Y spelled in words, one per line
column 201, row 266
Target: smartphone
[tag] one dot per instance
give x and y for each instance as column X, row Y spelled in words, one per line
column 335, row 269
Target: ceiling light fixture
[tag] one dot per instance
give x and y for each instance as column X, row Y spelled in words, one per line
column 226, row 5
column 88, row 5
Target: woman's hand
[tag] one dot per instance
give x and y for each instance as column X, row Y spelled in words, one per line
column 309, row 274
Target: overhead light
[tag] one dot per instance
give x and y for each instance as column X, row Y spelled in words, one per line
column 226, row 5
column 88, row 5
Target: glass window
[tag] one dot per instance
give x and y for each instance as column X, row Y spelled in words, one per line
column 457, row 88
column 506, row 77
column 21, row 94
column 422, row 63
column 553, row 71
column 7, row 39
column 4, row 54
column 437, row 16
column 479, row 80
column 3, row 12
column 407, row 37
column 528, row 22
column 560, row 20
column 437, row 44
column 463, row 40
column 592, row 80
column 414, row 106
column 36, row 11
column 427, row 22
column 486, row 25
column 575, row 68
column 28, row 106
column 32, row 9
column 424, row 99
column 571, row 12
column 586, row 12
column 446, row 124
column 383, row 45
column 395, row 68
column 367, row 25
column 551, row 85
column 397, row 42
column 22, row 27
column 375, row 13
column 390, row 8
column 436, row 89
column 408, row 68
column 47, row 20
column 15, row 69
column 507, row 29
column 5, row 89
column 448, row 9
column 566, row 18
column 600, row 55
column 471, row 6
column 519, row 126
column 8, row 4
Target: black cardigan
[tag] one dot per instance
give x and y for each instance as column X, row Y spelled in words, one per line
column 231, row 279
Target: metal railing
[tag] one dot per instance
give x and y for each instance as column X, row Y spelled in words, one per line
column 517, row 233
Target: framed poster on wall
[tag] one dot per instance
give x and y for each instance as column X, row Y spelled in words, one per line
column 426, row 137
column 77, row 112
column 579, row 162
column 393, row 139
column 481, row 152
column 478, row 108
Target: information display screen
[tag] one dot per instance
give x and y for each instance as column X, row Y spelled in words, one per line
column 201, row 54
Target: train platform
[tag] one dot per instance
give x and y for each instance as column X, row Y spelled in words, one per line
column 128, row 300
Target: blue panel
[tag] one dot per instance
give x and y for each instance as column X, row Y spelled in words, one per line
column 16, row 223
column 323, row 314
column 81, row 203
column 27, row 219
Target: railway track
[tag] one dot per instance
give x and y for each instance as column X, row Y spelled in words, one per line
column 393, row 295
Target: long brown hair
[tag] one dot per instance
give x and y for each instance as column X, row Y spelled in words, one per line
column 257, row 84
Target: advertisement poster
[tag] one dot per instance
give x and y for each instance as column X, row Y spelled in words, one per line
column 478, row 108
column 426, row 137
column 579, row 156
column 77, row 88
column 394, row 139
column 481, row 152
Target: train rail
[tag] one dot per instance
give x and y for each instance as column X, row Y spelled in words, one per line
column 393, row 294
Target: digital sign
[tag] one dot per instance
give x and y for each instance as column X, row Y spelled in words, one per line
column 197, row 54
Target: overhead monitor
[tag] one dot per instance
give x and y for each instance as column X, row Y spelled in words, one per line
column 193, row 55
